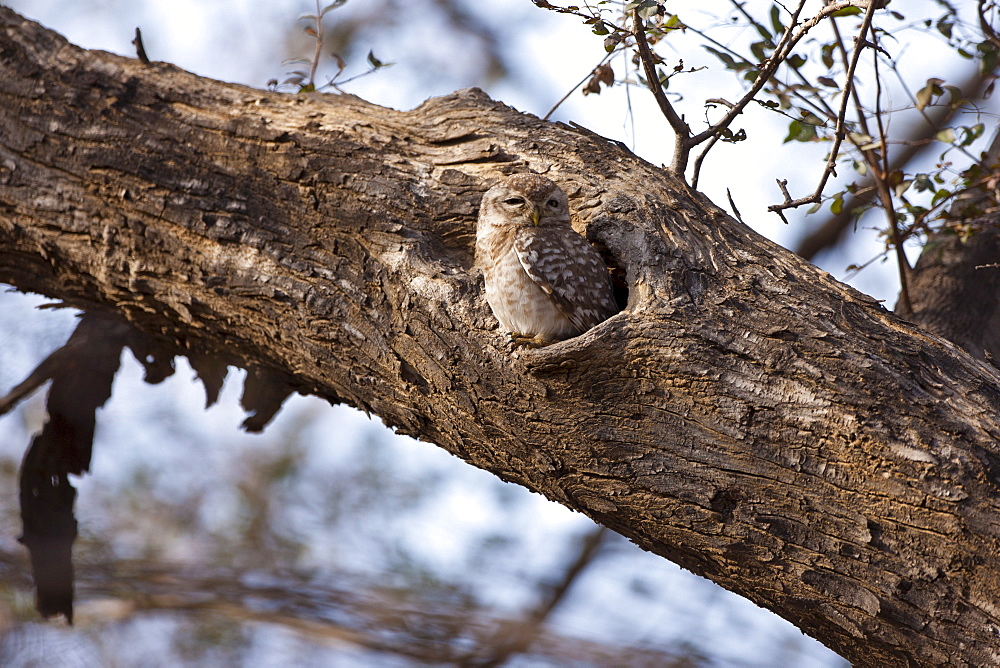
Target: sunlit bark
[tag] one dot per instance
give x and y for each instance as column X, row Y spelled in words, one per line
column 746, row 416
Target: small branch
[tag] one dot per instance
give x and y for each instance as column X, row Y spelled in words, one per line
column 318, row 53
column 140, row 50
column 831, row 165
column 701, row 158
column 862, row 119
column 988, row 32
column 682, row 131
column 829, row 232
column 518, row 640
column 882, row 183
column 819, row 105
column 788, row 41
column 580, row 83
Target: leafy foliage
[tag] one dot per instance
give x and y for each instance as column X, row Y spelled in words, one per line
column 304, row 80
column 834, row 91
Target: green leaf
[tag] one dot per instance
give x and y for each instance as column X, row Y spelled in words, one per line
column 730, row 137
column 970, row 135
column 939, row 195
column 727, row 60
column 375, row 62
column 761, row 49
column 776, row 25
column 332, row 5
column 650, row 11
column 799, row 131
column 826, row 54
column 646, row 8
column 926, row 94
column 796, row 61
column 763, row 32
column 988, row 53
column 947, row 136
column 837, row 205
column 944, row 26
column 847, row 11
column 955, row 98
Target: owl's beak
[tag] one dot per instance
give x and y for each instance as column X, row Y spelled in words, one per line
column 535, row 215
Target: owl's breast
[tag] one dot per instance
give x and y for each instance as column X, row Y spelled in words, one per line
column 518, row 302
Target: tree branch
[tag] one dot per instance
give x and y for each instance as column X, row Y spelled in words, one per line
column 860, row 42
column 682, row 132
column 746, row 416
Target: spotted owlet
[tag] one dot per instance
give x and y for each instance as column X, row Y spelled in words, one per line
column 544, row 281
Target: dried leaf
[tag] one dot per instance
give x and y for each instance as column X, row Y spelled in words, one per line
column 212, row 371
column 605, row 74
column 264, row 391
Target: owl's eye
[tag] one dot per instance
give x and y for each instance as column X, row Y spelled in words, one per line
column 514, row 201
column 554, row 203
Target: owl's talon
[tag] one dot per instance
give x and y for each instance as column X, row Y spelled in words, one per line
column 524, row 341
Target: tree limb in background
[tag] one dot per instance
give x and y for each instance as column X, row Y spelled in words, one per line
column 517, row 636
column 349, row 610
column 956, row 280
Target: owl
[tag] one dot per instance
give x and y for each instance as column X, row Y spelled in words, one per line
column 544, row 282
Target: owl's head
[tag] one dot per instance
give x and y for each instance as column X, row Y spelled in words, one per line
column 524, row 199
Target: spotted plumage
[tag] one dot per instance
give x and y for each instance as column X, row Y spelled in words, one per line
column 544, row 282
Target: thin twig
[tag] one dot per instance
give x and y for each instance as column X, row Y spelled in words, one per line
column 565, row 97
column 518, row 640
column 318, row 30
column 701, row 158
column 140, row 50
column 826, row 234
column 819, row 105
column 885, row 195
column 831, row 165
column 788, row 41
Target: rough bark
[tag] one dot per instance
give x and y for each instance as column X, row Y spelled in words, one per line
column 746, row 416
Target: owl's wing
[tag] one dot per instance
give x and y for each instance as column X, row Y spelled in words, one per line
column 567, row 268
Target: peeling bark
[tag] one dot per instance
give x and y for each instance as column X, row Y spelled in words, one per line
column 746, row 416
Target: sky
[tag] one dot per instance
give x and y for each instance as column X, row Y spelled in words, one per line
column 246, row 41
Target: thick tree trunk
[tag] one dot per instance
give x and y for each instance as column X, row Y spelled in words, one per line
column 745, row 416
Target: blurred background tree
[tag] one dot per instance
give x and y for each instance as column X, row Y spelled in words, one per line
column 329, row 540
